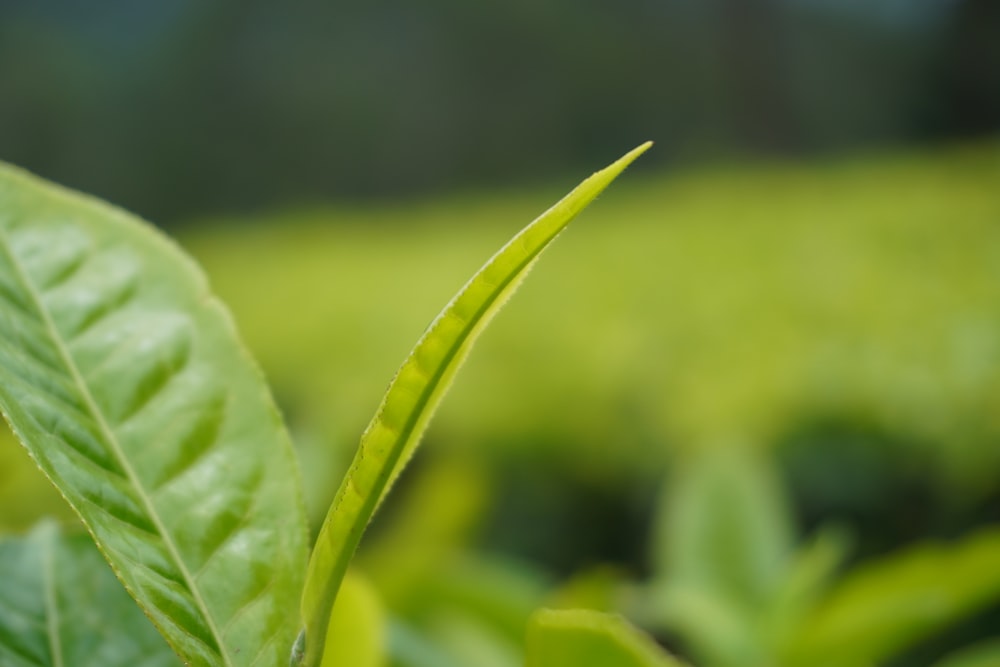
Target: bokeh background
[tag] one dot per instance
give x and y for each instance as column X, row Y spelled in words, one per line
column 179, row 109
column 803, row 273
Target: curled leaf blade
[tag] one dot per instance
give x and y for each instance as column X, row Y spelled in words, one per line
column 415, row 393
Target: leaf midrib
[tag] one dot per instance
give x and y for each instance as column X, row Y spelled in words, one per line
column 471, row 324
column 91, row 404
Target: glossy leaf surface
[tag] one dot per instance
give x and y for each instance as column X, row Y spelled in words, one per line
column 585, row 638
column 123, row 377
column 61, row 606
column 416, row 391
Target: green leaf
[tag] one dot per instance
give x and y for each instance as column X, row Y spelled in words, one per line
column 584, row 638
column 61, row 606
column 501, row 593
column 123, row 377
column 415, row 393
column 411, row 648
column 725, row 525
column 718, row 632
column 722, row 549
column 810, row 575
column 884, row 606
column 470, row 641
column 431, row 524
column 358, row 623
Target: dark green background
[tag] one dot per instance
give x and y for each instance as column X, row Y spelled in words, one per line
column 183, row 108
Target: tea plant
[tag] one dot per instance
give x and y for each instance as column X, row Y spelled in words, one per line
column 730, row 579
column 124, row 379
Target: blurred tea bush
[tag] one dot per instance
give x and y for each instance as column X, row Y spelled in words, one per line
column 839, row 320
column 748, row 303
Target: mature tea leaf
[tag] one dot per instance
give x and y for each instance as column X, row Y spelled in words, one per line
column 585, row 638
column 416, row 391
column 61, row 606
column 123, row 377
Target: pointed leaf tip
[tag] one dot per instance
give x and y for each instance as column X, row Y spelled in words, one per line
column 619, row 165
column 415, row 392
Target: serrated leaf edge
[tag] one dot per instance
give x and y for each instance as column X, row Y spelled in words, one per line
column 115, row 445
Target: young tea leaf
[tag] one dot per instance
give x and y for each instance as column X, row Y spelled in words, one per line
column 416, row 391
column 61, row 606
column 584, row 638
column 124, row 378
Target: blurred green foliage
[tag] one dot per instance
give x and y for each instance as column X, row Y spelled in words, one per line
column 358, row 625
column 95, row 622
column 589, row 639
column 730, row 582
column 737, row 303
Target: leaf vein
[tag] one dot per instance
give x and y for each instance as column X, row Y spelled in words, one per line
column 263, row 647
column 249, row 604
column 113, row 442
column 65, row 273
column 236, row 528
column 100, row 312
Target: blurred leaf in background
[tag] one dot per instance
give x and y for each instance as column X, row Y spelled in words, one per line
column 590, row 639
column 60, row 604
column 728, row 583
